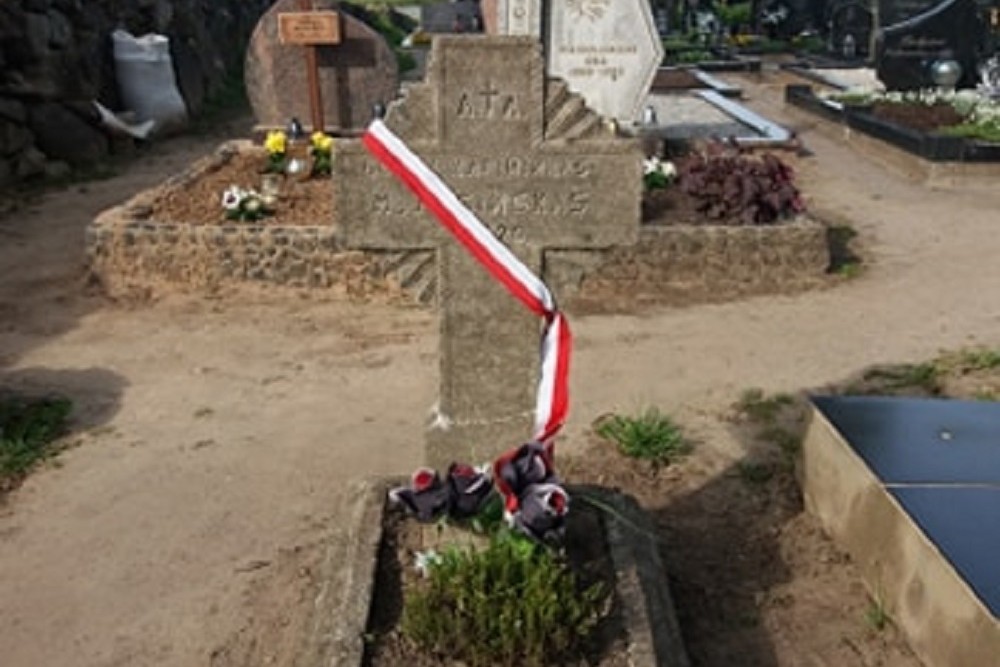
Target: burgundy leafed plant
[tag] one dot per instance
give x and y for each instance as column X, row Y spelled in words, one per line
column 735, row 187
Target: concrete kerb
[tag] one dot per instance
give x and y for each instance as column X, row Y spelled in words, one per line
column 347, row 579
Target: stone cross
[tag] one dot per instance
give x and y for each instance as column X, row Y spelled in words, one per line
column 537, row 167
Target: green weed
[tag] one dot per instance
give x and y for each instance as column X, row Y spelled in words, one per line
column 761, row 408
column 924, row 376
column 651, row 436
column 513, row 603
column 876, row 615
column 755, row 474
column 27, row 427
column 979, row 359
column 844, row 260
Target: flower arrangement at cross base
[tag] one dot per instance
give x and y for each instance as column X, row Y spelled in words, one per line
column 246, row 205
column 321, row 150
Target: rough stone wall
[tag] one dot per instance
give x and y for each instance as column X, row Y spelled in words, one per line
column 684, row 264
column 55, row 58
column 668, row 266
column 128, row 250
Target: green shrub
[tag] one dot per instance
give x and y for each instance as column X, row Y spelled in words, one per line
column 651, row 436
column 694, row 56
column 26, row 429
column 513, row 603
column 734, row 15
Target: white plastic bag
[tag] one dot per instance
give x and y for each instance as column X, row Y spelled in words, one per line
column 146, row 82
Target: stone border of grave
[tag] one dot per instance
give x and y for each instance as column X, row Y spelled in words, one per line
column 126, row 248
column 673, row 264
column 905, row 572
column 937, row 159
column 127, row 251
column 347, row 581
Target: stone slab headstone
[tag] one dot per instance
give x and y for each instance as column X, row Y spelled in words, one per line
column 354, row 75
column 905, row 52
column 607, row 51
column 540, row 170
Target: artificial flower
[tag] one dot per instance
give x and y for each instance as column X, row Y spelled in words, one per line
column 322, row 153
column 276, row 142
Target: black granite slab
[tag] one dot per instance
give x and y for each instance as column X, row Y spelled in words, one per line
column 912, row 440
column 941, row 460
column 964, row 523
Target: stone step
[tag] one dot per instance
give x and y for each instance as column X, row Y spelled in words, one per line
column 568, row 114
column 556, row 94
column 588, row 126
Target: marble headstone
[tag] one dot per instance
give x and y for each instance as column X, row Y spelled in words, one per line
column 354, row 75
column 608, row 51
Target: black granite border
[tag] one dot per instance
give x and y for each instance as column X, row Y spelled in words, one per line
column 931, row 147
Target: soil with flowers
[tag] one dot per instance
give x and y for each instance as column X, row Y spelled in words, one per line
column 301, row 201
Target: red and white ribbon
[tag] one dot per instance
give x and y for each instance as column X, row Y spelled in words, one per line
column 552, row 403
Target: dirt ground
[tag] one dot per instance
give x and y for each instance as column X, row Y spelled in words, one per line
column 215, row 435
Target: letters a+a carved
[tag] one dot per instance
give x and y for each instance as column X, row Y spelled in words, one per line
column 488, row 103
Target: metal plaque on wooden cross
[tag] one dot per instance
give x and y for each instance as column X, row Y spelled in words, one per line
column 540, row 170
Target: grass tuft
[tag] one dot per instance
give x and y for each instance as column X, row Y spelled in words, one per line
column 650, row 436
column 27, row 428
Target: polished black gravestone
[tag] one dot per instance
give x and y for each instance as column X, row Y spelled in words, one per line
column 951, row 30
column 940, row 460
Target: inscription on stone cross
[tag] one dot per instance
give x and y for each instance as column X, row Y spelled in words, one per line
column 540, row 170
column 488, row 103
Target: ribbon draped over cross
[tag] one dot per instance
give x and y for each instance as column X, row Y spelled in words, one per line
column 552, row 402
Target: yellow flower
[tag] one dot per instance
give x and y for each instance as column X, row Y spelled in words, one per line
column 322, row 142
column 276, row 142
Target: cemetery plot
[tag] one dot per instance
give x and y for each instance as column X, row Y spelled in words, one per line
column 610, row 541
column 911, row 487
column 914, row 127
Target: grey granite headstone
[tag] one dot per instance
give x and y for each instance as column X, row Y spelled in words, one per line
column 540, row 169
column 354, row 75
column 608, row 51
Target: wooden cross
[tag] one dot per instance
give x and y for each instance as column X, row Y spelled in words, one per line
column 310, row 28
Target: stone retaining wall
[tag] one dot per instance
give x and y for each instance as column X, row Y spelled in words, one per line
column 128, row 250
column 56, row 58
column 669, row 265
column 683, row 263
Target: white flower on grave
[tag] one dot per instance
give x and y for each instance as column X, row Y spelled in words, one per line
column 668, row 169
column 232, row 197
column 651, row 165
column 252, row 203
column 423, row 560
